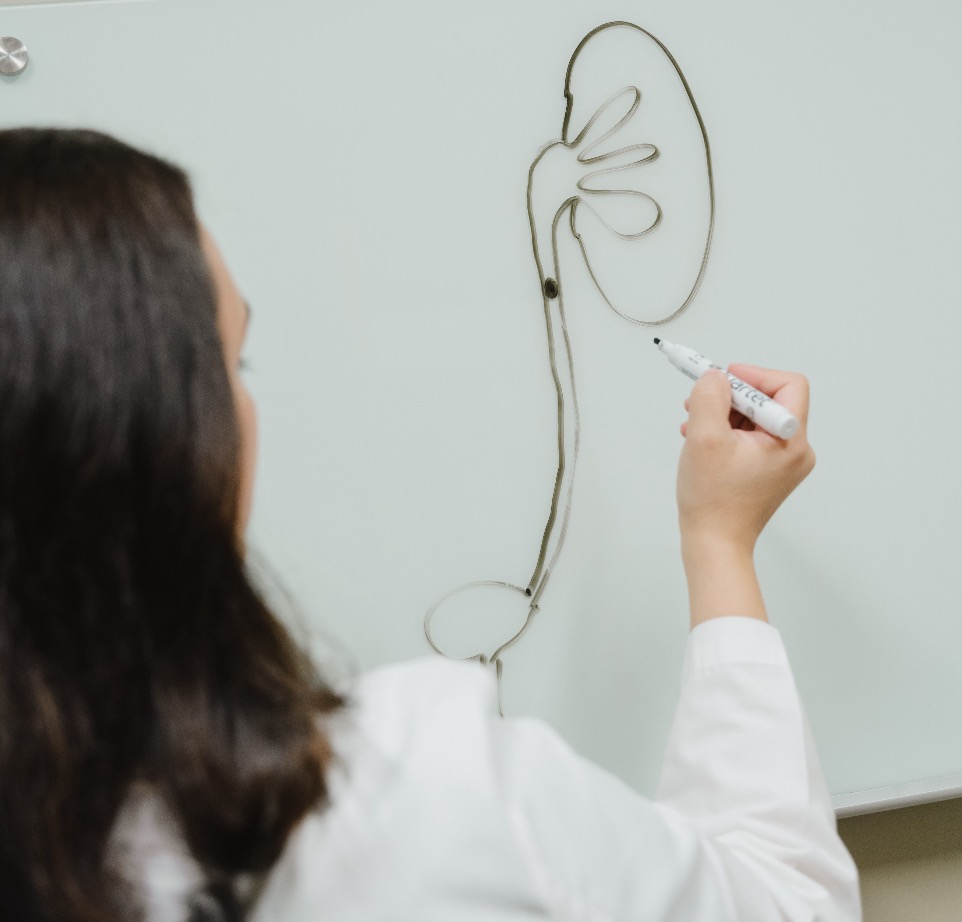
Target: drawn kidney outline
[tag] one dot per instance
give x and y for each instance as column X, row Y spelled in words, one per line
column 627, row 158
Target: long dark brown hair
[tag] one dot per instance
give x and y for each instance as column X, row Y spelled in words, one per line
column 133, row 646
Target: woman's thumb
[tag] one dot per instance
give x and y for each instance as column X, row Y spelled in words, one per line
column 709, row 404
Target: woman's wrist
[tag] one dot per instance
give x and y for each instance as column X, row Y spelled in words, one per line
column 721, row 579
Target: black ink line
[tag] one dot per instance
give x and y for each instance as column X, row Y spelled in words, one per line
column 559, row 341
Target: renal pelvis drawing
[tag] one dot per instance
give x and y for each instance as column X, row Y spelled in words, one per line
column 630, row 178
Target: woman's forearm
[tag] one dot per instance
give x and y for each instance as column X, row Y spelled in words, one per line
column 721, row 580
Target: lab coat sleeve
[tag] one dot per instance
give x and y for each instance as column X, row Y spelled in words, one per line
column 741, row 765
column 741, row 829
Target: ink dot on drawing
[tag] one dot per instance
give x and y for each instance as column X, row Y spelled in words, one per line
column 550, row 289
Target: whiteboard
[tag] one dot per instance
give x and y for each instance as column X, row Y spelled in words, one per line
column 364, row 167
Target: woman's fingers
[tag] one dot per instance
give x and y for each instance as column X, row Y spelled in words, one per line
column 791, row 390
column 735, row 419
column 710, row 401
column 788, row 388
column 732, row 476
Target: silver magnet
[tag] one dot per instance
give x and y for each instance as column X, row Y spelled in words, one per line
column 13, row 56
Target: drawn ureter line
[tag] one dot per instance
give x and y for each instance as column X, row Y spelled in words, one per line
column 559, row 340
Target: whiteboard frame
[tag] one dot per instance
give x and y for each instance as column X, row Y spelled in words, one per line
column 857, row 800
column 877, row 800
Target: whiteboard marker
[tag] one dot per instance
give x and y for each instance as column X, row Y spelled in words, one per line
column 750, row 402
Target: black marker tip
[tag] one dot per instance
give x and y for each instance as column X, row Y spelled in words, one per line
column 657, row 341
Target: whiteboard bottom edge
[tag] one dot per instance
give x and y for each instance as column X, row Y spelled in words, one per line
column 875, row 800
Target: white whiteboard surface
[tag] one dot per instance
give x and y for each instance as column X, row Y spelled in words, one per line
column 364, row 165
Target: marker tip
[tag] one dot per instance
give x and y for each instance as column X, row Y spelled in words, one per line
column 657, row 341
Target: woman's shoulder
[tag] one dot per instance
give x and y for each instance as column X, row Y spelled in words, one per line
column 416, row 813
column 410, row 710
column 429, row 682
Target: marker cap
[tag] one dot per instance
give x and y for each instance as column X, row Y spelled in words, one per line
column 777, row 420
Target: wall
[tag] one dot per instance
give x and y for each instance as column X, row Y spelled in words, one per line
column 910, row 861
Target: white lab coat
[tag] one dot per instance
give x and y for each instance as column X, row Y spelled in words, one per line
column 442, row 812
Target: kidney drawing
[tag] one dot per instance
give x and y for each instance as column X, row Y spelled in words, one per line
column 630, row 178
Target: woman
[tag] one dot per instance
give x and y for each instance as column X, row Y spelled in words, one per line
column 166, row 753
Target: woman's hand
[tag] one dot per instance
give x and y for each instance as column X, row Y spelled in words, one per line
column 731, row 479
